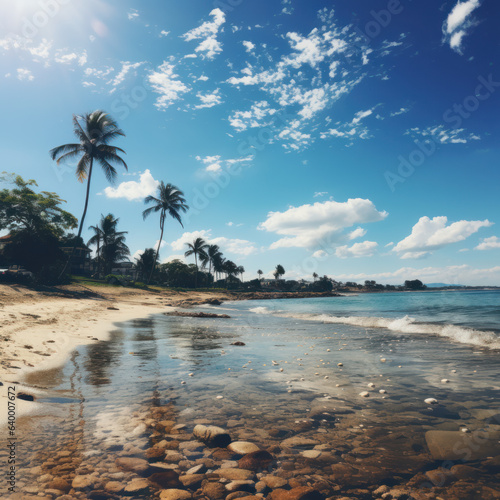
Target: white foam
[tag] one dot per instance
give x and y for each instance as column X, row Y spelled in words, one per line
column 260, row 310
column 407, row 324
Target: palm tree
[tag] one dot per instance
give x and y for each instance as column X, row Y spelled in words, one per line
column 218, row 263
column 113, row 249
column 95, row 131
column 145, row 262
column 96, row 240
column 170, row 199
column 230, row 268
column 198, row 249
column 279, row 271
column 260, row 273
column 315, row 276
column 240, row 271
column 213, row 251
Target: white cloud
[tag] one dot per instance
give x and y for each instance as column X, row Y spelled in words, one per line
column 63, row 57
column 442, row 135
column 25, row 74
column 357, row 233
column 254, row 117
column 229, row 245
column 320, row 224
column 428, row 235
column 215, row 163
column 207, row 33
column 133, row 14
column 133, row 190
column 352, row 129
column 319, row 194
column 127, row 66
column 166, row 83
column 364, row 249
column 491, row 243
column 164, row 33
column 249, row 46
column 208, row 100
column 400, row 112
column 458, row 23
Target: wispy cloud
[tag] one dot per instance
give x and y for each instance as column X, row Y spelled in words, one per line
column 491, row 243
column 458, row 23
column 442, row 135
column 24, row 74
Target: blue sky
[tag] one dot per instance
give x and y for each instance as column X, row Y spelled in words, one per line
column 354, row 139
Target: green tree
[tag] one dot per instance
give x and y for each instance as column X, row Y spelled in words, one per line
column 199, row 249
column 145, row 262
column 279, row 271
column 260, row 273
column 95, row 131
column 169, row 200
column 22, row 209
column 240, row 271
column 97, row 240
column 315, row 276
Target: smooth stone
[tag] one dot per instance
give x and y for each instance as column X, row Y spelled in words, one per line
column 274, row 482
column 82, row 482
column 243, row 447
column 456, row 445
column 364, row 394
column 192, row 481
column 59, row 484
column 241, row 486
column 237, row 494
column 137, row 465
column 166, row 479
column 175, row 494
column 114, row 487
column 311, row 454
column 137, row 486
column 430, row 401
column 256, row 460
column 212, row 435
column 197, row 469
column 235, row 474
column 214, row 491
column 299, row 442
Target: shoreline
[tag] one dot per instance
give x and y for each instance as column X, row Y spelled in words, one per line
column 41, row 328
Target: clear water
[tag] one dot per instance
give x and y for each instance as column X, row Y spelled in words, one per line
column 288, row 366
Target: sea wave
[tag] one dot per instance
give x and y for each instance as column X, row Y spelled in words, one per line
column 406, row 324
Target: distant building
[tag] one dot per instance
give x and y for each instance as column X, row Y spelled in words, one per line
column 124, row 269
column 80, row 261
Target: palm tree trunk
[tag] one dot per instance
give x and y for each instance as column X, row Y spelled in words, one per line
column 196, row 273
column 162, row 225
column 81, row 221
column 98, row 257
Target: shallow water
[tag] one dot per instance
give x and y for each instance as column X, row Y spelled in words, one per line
column 285, row 381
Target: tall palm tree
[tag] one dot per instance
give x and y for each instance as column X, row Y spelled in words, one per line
column 260, row 273
column 95, row 131
column 199, row 249
column 170, row 199
column 315, row 276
